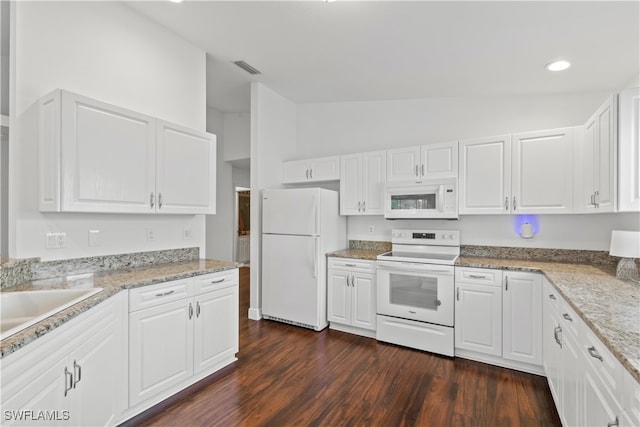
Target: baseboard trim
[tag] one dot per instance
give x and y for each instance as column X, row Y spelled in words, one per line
column 255, row 313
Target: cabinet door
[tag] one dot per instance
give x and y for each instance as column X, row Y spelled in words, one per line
column 439, row 160
column 522, row 317
column 586, row 201
column 572, row 377
column 374, row 176
column 403, row 164
column 338, row 297
column 186, row 173
column 43, row 390
column 363, row 301
column 485, row 175
column 605, row 154
column 108, row 159
column 629, row 151
column 351, row 185
column 96, row 377
column 295, row 171
column 478, row 316
column 216, row 328
column 598, row 406
column 161, row 348
column 325, row 169
column 552, row 354
column 542, row 171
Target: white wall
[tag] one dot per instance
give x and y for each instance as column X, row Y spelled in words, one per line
column 237, row 135
column 106, row 51
column 273, row 138
column 219, row 229
column 340, row 128
column 241, row 177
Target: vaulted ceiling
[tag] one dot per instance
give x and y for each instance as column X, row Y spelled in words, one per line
column 314, row 51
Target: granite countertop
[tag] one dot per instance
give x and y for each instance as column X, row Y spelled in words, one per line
column 610, row 307
column 368, row 254
column 111, row 283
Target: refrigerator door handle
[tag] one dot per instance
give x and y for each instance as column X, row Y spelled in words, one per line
column 315, row 258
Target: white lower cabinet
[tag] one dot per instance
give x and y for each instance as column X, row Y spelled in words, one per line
column 589, row 385
column 179, row 332
column 73, row 376
column 351, row 295
column 498, row 317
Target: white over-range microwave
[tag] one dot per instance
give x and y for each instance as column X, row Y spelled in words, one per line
column 436, row 199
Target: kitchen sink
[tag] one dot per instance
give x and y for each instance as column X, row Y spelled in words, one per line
column 19, row 310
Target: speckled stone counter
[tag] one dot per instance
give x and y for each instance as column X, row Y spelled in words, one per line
column 111, row 283
column 363, row 249
column 610, row 307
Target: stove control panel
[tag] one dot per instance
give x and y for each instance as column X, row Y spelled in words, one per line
column 426, row 237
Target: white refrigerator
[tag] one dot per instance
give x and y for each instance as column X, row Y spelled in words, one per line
column 299, row 226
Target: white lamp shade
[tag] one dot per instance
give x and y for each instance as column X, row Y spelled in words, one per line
column 625, row 244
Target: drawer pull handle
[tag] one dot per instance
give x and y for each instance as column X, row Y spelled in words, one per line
column 217, row 281
column 477, row 276
column 594, row 353
column 164, row 294
column 613, row 423
column 350, row 265
column 552, row 296
column 568, row 317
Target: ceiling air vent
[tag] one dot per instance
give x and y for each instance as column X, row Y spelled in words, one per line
column 248, row 68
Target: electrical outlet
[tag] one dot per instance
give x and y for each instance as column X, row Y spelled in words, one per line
column 55, row 240
column 94, row 238
column 150, row 235
column 187, row 234
column 371, row 229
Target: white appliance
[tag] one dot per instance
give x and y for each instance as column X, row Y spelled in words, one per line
column 416, row 290
column 299, row 226
column 424, row 199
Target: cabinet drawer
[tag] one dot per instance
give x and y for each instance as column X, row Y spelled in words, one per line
column 550, row 295
column 352, row 264
column 150, row 296
column 481, row 276
column 218, row 280
column 602, row 362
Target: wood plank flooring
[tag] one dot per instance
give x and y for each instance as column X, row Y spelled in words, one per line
column 289, row 376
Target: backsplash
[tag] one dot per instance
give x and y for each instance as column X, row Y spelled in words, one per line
column 370, row 245
column 573, row 256
column 14, row 272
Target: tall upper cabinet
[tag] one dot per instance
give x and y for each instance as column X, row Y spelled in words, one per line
column 597, row 192
column 98, row 157
column 528, row 172
column 362, row 180
column 629, row 151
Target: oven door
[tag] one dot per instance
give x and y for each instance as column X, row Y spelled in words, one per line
column 422, row 292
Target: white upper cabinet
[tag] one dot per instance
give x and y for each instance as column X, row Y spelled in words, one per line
column 362, row 183
column 542, row 171
column 598, row 161
column 423, row 162
column 485, row 175
column 629, row 151
column 186, row 173
column 311, row 170
column 97, row 157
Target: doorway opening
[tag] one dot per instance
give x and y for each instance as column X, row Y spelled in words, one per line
column 243, row 225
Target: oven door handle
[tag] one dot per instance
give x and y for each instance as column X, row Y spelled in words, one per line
column 414, row 266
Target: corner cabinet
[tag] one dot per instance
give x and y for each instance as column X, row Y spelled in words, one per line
column 98, row 157
column 351, row 293
column 598, row 154
column 311, row 170
column 362, row 183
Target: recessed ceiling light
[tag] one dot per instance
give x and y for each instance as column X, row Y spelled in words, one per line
column 558, row 65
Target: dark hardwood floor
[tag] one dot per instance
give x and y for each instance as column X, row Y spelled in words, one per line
column 289, row 376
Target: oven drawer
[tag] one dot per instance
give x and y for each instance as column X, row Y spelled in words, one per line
column 479, row 276
column 419, row 335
